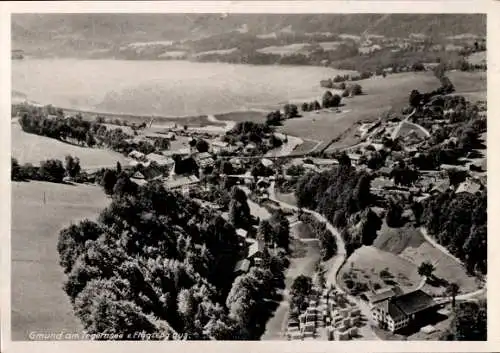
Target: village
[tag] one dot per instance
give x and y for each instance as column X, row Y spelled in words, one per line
column 332, row 312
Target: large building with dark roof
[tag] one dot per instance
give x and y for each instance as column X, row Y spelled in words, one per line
column 397, row 312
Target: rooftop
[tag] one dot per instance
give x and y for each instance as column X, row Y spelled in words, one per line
column 406, row 304
column 180, row 181
column 242, row 265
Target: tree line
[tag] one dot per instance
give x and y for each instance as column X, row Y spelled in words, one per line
column 74, row 129
column 51, row 170
column 459, row 222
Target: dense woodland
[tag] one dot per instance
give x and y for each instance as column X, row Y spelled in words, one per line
column 156, row 262
column 459, row 222
column 343, row 196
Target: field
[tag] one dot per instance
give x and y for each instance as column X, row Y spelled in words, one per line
column 477, row 58
column 285, row 49
column 301, row 230
column 38, row 301
column 31, row 148
column 366, row 263
column 409, row 244
column 241, row 116
column 472, row 85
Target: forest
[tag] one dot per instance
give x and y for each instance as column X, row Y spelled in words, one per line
column 156, row 262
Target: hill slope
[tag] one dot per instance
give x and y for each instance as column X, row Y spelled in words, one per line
column 76, row 34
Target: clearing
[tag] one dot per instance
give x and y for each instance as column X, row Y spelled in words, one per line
column 472, row 85
column 38, row 300
column 365, row 265
column 31, row 148
column 408, row 243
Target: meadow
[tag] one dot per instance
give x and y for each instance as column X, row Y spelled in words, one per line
column 409, row 244
column 38, row 300
column 31, row 148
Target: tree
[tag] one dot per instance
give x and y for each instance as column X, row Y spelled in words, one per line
column 15, row 170
column 330, row 100
column 415, row 98
column 356, row 90
column 52, row 170
column 417, row 210
column 118, row 168
column 290, row 111
column 108, row 181
column 426, row 269
column 453, row 290
column 469, row 323
column 202, row 146
column 90, row 140
column 394, row 214
column 305, row 107
column 265, row 232
column 72, row 166
column 273, row 118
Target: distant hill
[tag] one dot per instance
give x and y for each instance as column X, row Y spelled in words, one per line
column 81, row 34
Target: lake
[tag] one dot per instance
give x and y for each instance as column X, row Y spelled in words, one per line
column 164, row 88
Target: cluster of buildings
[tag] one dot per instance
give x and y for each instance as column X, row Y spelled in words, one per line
column 330, row 316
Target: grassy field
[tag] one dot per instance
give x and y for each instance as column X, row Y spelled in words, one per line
column 38, row 301
column 31, row 148
column 302, row 230
column 469, row 82
column 477, row 58
column 407, row 128
column 366, row 263
column 243, row 116
column 287, row 197
column 408, row 244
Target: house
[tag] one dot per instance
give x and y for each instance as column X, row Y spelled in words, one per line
column 266, row 162
column 241, row 232
column 397, row 312
column 241, row 267
column 219, row 146
column 137, row 155
column 250, row 148
column 470, row 186
column 255, row 250
column 181, row 182
column 138, row 178
column 160, row 159
column 380, row 295
column 441, row 187
column 180, row 152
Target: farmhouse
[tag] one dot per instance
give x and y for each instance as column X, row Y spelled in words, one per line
column 397, row 312
column 469, row 186
column 242, row 267
column 180, row 182
column 138, row 178
column 380, row 295
column 160, row 159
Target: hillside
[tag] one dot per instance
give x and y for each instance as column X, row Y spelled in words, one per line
column 84, row 34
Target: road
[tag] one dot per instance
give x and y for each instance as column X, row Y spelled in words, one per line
column 405, row 121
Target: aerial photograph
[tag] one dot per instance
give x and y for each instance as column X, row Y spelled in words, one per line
column 275, row 177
